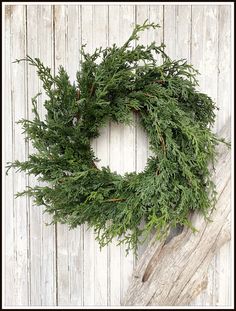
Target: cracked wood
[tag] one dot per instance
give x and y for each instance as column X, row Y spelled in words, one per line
column 174, row 273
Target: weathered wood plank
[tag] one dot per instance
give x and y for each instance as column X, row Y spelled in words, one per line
column 197, row 52
column 223, row 259
column 60, row 58
column 114, row 252
column 42, row 237
column 153, row 13
column 20, row 289
column 224, row 66
column 204, row 56
column 114, row 257
column 48, row 239
column 186, row 257
column 89, row 242
column 75, row 237
column 102, row 152
column 177, row 31
column 35, row 212
column 9, row 275
column 127, row 151
column 69, row 243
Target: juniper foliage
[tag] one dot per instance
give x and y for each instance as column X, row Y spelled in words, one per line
column 113, row 83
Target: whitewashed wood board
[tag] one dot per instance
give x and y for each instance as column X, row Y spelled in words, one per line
column 50, row 265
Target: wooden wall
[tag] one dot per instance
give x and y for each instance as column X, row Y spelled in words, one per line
column 49, row 265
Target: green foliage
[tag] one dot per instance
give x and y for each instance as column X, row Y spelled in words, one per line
column 112, row 83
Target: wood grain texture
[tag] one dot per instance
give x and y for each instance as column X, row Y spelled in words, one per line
column 19, row 290
column 186, row 257
column 67, row 29
column 42, row 237
column 209, row 22
column 114, row 252
column 223, row 277
column 8, row 193
column 50, row 265
column 100, row 31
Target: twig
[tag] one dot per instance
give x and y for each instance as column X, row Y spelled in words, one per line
column 115, row 200
column 92, row 90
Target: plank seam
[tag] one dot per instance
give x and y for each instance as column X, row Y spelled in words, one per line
column 27, row 176
column 56, row 240
column 109, row 159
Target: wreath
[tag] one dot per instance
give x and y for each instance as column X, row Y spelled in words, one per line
column 112, row 84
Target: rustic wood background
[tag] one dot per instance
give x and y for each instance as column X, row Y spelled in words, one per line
column 49, row 265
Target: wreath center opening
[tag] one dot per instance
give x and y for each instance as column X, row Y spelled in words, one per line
column 123, row 148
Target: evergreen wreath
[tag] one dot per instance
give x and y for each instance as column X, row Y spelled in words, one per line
column 177, row 118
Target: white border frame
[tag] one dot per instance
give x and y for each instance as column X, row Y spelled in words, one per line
column 232, row 156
